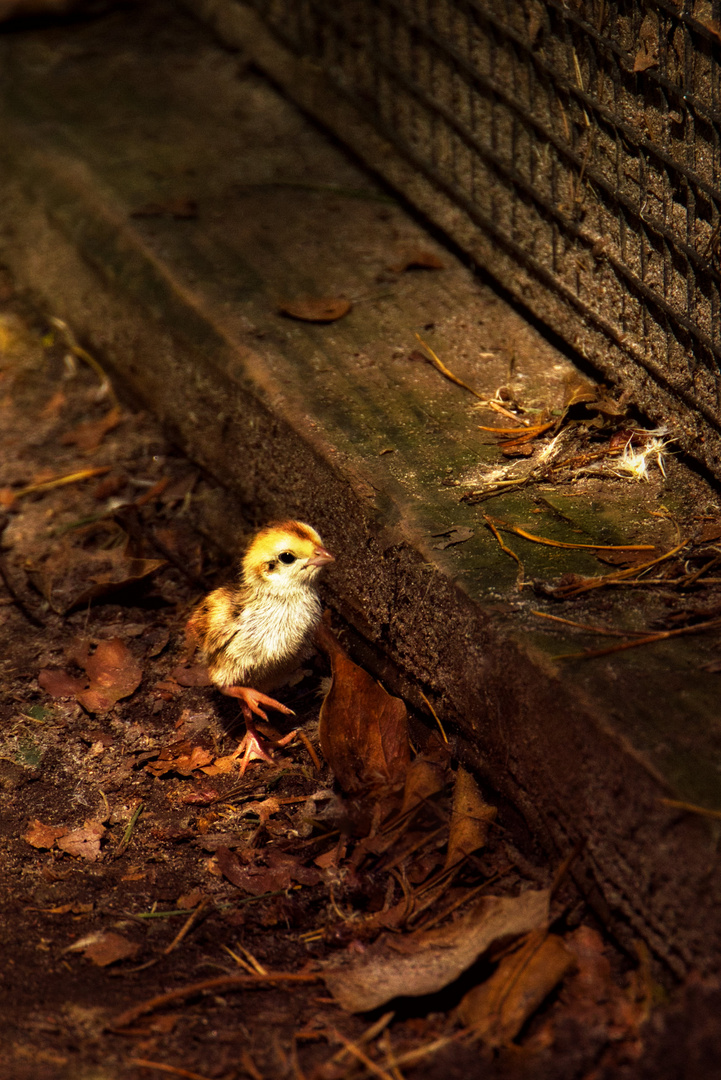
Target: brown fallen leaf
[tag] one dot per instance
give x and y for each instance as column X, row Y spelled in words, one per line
column 424, row 779
column 456, row 534
column 70, row 575
column 114, row 674
column 470, row 819
column 104, row 947
column 43, row 836
column 363, row 730
column 256, row 878
column 316, row 309
column 497, row 1010
column 83, row 843
column 180, row 757
column 425, row 962
column 89, row 435
column 417, row 260
column 59, row 684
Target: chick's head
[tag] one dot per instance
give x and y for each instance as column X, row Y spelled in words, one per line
column 284, row 557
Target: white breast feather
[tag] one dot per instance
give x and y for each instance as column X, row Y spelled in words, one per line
column 271, row 633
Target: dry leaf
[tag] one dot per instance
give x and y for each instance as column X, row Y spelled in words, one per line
column 257, row 879
column 114, row 674
column 43, row 836
column 63, row 573
column 457, row 534
column 180, row 757
column 424, row 963
column 498, row 1009
column 316, row 309
column 417, row 260
column 363, row 730
column 424, row 779
column 84, row 843
column 470, row 819
column 89, row 435
column 59, row 684
column 104, row 947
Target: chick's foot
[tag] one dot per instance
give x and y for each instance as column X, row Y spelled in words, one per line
column 252, row 746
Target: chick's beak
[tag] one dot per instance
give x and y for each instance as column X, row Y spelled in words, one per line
column 320, row 557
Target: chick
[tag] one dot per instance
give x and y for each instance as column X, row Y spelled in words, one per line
column 253, row 634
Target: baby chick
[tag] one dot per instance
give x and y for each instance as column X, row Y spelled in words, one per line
column 253, row 634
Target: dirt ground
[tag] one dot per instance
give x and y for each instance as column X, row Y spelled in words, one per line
column 163, row 916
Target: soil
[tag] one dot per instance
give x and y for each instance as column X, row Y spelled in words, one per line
column 136, row 862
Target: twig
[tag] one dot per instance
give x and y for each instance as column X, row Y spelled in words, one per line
column 561, row 544
column 221, row 982
column 371, row 1033
column 462, row 900
column 185, row 928
column 358, row 1053
column 423, row 1051
column 520, row 580
column 122, row 846
column 691, row 808
column 435, row 716
column 521, row 431
column 590, row 629
column 61, row 481
column 446, row 372
column 144, row 1063
column 82, row 354
column 619, row 575
column 662, row 635
column 311, row 750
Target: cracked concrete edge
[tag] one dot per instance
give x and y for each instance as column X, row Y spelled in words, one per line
column 540, row 743
column 691, row 424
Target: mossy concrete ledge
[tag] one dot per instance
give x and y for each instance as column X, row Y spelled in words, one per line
column 104, row 126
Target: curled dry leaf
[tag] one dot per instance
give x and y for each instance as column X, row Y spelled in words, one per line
column 363, row 730
column 43, row 836
column 104, row 947
column 59, row 684
column 497, row 1010
column 71, row 576
column 470, row 820
column 316, row 309
column 281, row 871
column 179, row 757
column 417, row 260
column 83, row 843
column 424, row 963
column 113, row 673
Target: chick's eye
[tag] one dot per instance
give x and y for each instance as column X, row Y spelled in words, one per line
column 287, row 557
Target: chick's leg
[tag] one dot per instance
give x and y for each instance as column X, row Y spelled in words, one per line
column 252, row 744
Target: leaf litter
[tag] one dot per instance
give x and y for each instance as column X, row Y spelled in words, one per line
column 388, row 874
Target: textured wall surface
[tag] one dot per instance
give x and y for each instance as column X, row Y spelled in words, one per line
column 572, row 149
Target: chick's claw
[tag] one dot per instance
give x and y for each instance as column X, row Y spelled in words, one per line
column 252, row 747
column 251, row 700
